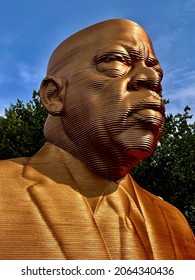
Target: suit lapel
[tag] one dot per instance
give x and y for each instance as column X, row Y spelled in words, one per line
column 157, row 226
column 63, row 208
column 70, row 220
column 137, row 218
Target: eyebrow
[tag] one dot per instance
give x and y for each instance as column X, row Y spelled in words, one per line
column 136, row 53
column 98, row 57
column 142, row 51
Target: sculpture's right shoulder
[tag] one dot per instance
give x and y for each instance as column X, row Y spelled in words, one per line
column 20, row 160
column 12, row 167
column 13, row 161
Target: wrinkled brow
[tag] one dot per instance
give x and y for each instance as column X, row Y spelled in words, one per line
column 98, row 58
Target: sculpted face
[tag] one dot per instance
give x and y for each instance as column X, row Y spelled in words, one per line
column 112, row 110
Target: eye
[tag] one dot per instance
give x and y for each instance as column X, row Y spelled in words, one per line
column 151, row 62
column 114, row 65
column 114, row 57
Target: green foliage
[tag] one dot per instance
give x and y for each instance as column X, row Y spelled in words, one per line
column 21, row 128
column 170, row 171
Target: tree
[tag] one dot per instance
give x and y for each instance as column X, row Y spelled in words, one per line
column 169, row 172
column 21, row 128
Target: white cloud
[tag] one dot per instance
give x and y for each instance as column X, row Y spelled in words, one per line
column 167, row 40
column 30, row 75
column 2, row 112
column 180, row 98
column 4, row 104
column 178, row 77
column 27, row 73
column 183, row 94
column 179, row 88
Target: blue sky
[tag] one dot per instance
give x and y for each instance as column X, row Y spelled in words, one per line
column 31, row 29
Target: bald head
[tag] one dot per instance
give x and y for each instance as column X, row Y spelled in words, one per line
column 102, row 93
column 89, row 40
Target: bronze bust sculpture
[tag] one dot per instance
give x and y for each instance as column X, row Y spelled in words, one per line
column 74, row 199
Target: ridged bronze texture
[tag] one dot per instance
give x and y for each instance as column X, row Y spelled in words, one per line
column 109, row 82
column 74, row 199
column 53, row 207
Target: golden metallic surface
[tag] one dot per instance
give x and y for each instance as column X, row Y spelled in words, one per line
column 106, row 95
column 47, row 214
column 74, row 199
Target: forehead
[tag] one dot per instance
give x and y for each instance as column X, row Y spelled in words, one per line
column 127, row 36
column 113, row 35
column 129, row 47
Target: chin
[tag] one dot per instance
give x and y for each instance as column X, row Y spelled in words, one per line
column 141, row 148
column 131, row 157
column 139, row 153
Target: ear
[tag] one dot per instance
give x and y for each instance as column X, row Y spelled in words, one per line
column 52, row 94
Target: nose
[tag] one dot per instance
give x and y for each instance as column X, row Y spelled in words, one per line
column 142, row 76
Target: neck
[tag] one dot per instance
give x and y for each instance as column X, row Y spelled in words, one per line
column 89, row 184
column 62, row 168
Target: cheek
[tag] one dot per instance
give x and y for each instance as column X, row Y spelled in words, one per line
column 81, row 109
column 98, row 99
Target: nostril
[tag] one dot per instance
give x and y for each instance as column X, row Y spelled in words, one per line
column 155, row 86
column 132, row 85
column 151, row 84
column 136, row 84
column 158, row 89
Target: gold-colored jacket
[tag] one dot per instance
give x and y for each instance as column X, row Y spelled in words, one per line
column 44, row 217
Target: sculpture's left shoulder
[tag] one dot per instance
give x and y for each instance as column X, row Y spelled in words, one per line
column 149, row 202
column 167, row 208
column 165, row 225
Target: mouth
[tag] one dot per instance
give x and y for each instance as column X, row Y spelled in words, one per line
column 150, row 122
column 155, row 106
column 147, row 115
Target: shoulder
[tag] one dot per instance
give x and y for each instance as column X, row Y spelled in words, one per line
column 12, row 167
column 160, row 202
column 21, row 161
column 152, row 202
column 169, row 211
